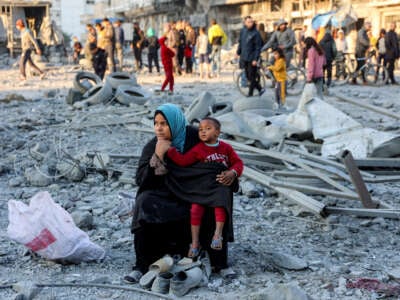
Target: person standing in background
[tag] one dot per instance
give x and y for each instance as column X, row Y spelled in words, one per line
column 341, row 48
column 119, row 43
column 181, row 43
column 153, row 45
column 249, row 48
column 392, row 51
column 362, row 46
column 100, row 35
column 27, row 43
column 328, row 45
column 137, row 43
column 315, row 64
column 109, row 44
column 90, row 39
column 202, row 52
column 381, row 52
column 217, row 39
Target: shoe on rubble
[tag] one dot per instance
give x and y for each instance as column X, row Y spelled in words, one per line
column 183, row 281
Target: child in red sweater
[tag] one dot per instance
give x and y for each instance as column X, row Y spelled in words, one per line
column 167, row 60
column 210, row 149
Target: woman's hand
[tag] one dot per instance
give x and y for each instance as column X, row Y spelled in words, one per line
column 162, row 147
column 226, row 177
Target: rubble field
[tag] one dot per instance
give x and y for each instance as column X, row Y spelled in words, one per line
column 86, row 159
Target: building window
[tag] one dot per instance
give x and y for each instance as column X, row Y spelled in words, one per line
column 276, row 5
column 90, row 1
column 295, row 6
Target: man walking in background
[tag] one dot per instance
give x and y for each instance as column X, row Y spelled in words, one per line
column 109, row 43
column 392, row 50
column 249, row 49
column 362, row 45
column 27, row 43
column 119, row 43
column 217, row 38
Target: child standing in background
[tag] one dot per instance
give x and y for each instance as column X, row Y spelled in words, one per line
column 279, row 71
column 188, row 58
column 167, row 55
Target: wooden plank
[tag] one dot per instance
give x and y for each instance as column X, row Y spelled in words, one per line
column 364, row 212
column 292, row 159
column 357, row 180
column 373, row 108
column 117, row 155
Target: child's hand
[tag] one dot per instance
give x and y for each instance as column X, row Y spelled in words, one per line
column 226, row 177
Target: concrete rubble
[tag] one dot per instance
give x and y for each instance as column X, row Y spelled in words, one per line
column 297, row 236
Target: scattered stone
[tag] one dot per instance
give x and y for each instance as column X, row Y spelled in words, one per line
column 16, row 181
column 26, row 290
column 287, row 261
column 340, row 233
column 249, row 189
column 83, row 219
column 50, row 94
column 37, row 178
column 70, row 170
column 394, row 273
column 290, row 291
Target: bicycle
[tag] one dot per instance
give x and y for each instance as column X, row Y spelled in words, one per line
column 374, row 74
column 296, row 79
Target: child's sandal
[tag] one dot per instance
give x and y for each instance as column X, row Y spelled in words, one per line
column 194, row 252
column 216, row 243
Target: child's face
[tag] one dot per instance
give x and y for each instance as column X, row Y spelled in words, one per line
column 276, row 55
column 208, row 133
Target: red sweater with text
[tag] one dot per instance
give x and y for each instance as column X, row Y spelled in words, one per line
column 223, row 153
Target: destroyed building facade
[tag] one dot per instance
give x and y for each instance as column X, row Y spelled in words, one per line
column 230, row 13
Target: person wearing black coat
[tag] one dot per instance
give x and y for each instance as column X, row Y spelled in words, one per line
column 249, row 49
column 392, row 51
column 99, row 60
column 328, row 44
column 161, row 218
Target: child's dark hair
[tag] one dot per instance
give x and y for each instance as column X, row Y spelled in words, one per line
column 310, row 42
column 280, row 52
column 216, row 123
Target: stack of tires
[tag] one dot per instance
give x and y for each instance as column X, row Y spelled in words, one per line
column 89, row 89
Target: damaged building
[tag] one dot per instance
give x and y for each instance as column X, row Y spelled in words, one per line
column 38, row 18
column 230, row 13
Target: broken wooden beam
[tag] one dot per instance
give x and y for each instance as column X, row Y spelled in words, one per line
column 357, row 180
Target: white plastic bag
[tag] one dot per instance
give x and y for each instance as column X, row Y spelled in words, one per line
column 47, row 229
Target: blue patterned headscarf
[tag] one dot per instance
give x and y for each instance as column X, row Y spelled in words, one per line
column 177, row 124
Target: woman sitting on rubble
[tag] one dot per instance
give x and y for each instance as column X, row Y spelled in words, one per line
column 161, row 220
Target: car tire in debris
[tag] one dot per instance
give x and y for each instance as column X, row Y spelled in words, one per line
column 117, row 79
column 100, row 93
column 221, row 108
column 252, row 103
column 84, row 81
column 131, row 95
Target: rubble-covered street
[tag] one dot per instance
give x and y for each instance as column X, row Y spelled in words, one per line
column 86, row 159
